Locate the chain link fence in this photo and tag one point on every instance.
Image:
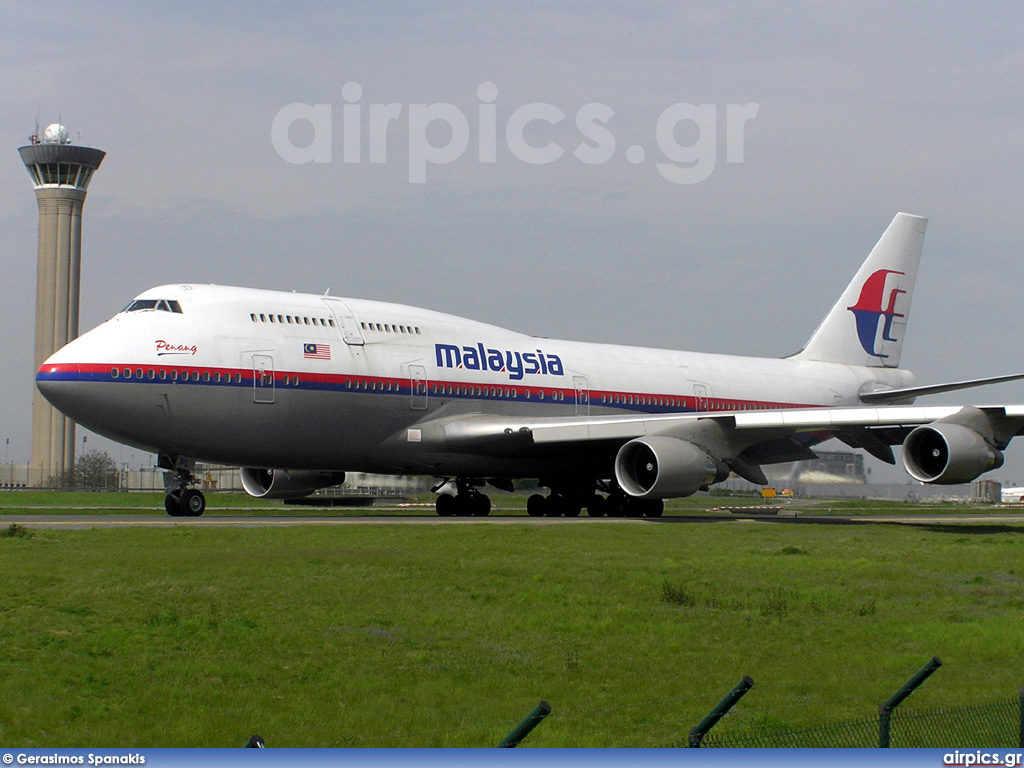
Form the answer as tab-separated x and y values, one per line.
997	724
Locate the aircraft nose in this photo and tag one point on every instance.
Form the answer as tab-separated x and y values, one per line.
58	382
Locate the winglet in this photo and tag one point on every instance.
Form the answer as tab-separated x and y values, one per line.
866	326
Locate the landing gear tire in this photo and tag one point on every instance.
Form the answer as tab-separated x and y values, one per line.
597	506
481	505
615	505
172	504
654	508
192	503
466	502
181	500
463	507
633	508
445	505
535	505
554	505
627	506
186	503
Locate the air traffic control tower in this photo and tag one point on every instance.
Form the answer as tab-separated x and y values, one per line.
61	174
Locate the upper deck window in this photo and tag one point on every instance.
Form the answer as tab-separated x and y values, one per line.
160	305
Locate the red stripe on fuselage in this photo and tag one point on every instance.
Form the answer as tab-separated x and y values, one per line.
202	375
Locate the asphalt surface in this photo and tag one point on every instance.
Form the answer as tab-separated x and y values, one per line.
991	522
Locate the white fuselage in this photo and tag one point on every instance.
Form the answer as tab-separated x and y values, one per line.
271	379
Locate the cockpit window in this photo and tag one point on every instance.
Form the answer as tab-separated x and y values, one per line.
160	305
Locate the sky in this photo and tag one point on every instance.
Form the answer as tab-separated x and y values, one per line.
698	175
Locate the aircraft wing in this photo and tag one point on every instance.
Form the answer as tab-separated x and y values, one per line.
475	429
747	439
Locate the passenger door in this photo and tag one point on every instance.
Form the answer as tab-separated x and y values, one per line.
262	378
418	382
582	395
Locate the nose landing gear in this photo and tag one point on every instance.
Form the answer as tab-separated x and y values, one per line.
182	500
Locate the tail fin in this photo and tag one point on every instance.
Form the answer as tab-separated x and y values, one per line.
867	324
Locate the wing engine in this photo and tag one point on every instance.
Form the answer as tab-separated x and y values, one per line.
287	483
948	454
660	467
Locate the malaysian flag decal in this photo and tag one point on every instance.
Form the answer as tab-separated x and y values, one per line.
316	351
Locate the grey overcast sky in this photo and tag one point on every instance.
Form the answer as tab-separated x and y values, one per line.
862	109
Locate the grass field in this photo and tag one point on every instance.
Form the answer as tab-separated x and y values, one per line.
408	635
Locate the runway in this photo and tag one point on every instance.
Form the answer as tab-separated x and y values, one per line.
991	522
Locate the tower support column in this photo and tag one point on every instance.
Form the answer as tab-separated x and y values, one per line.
61	174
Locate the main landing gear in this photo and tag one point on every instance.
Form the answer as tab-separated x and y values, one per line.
467	502
182	500
564	503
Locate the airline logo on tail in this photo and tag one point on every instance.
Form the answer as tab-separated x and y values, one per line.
874	305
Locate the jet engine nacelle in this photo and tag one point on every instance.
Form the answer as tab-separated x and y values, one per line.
948	454
665	467
287	483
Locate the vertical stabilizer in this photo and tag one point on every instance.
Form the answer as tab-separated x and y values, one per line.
866	326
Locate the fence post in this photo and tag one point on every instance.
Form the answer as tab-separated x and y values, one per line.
699	731
886	708
528	723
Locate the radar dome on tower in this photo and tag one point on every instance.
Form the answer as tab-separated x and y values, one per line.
55	133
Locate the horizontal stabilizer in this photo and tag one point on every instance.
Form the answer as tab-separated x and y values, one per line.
909	393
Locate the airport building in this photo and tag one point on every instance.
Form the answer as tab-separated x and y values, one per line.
61	173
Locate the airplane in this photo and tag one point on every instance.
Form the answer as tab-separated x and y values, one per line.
1013	495
299	389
